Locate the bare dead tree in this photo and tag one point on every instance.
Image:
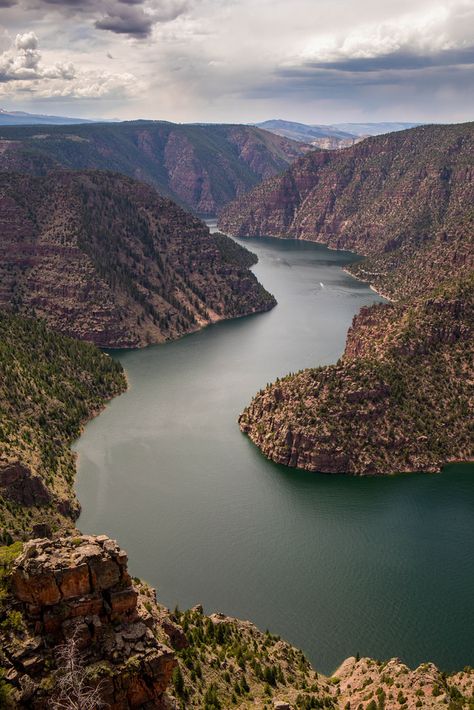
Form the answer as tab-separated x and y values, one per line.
74	688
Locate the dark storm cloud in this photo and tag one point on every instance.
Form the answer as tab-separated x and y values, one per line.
135	18
414	79
127	20
399	60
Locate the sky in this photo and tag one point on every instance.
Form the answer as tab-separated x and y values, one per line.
314	61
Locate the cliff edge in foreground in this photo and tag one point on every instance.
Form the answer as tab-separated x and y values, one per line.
75	628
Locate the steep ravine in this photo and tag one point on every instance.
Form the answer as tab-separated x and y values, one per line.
201	167
404	201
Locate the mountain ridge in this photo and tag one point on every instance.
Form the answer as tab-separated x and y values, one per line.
331	136
104	258
200	167
401	200
398	400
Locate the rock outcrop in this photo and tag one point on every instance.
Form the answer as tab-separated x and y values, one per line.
103	258
403	200
77	591
399	400
202	167
19	485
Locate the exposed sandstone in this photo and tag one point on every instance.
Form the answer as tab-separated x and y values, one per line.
20	485
80	588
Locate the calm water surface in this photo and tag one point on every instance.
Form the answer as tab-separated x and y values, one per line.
334	564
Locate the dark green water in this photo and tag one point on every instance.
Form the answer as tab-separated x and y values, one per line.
334	564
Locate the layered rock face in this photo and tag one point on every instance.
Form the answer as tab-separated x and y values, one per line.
200	167
78	590
398	401
403	200
103	258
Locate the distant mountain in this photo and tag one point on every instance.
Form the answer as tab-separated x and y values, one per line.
319	136
21	118
202	167
373	129
104	258
339	135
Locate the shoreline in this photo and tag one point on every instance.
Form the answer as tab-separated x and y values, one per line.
106	404
371	286
346	269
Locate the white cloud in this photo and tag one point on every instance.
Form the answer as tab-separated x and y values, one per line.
432	30
22	70
22	62
244	60
27	41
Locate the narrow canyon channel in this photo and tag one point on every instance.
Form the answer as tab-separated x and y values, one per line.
336	565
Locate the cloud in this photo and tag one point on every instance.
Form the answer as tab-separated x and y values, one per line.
390	63
241	60
437	37
22	70
91	85
128	20
26	41
134	18
22	62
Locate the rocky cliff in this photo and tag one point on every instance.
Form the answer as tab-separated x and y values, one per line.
404	200
77	631
202	167
49	386
399	400
73	625
104	258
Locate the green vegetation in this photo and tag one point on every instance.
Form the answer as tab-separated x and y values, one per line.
116	264
160	153
233	252
231	663
49	386
404	200
8	555
398	401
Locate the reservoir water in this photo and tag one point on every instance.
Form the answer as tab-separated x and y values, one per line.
336	565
